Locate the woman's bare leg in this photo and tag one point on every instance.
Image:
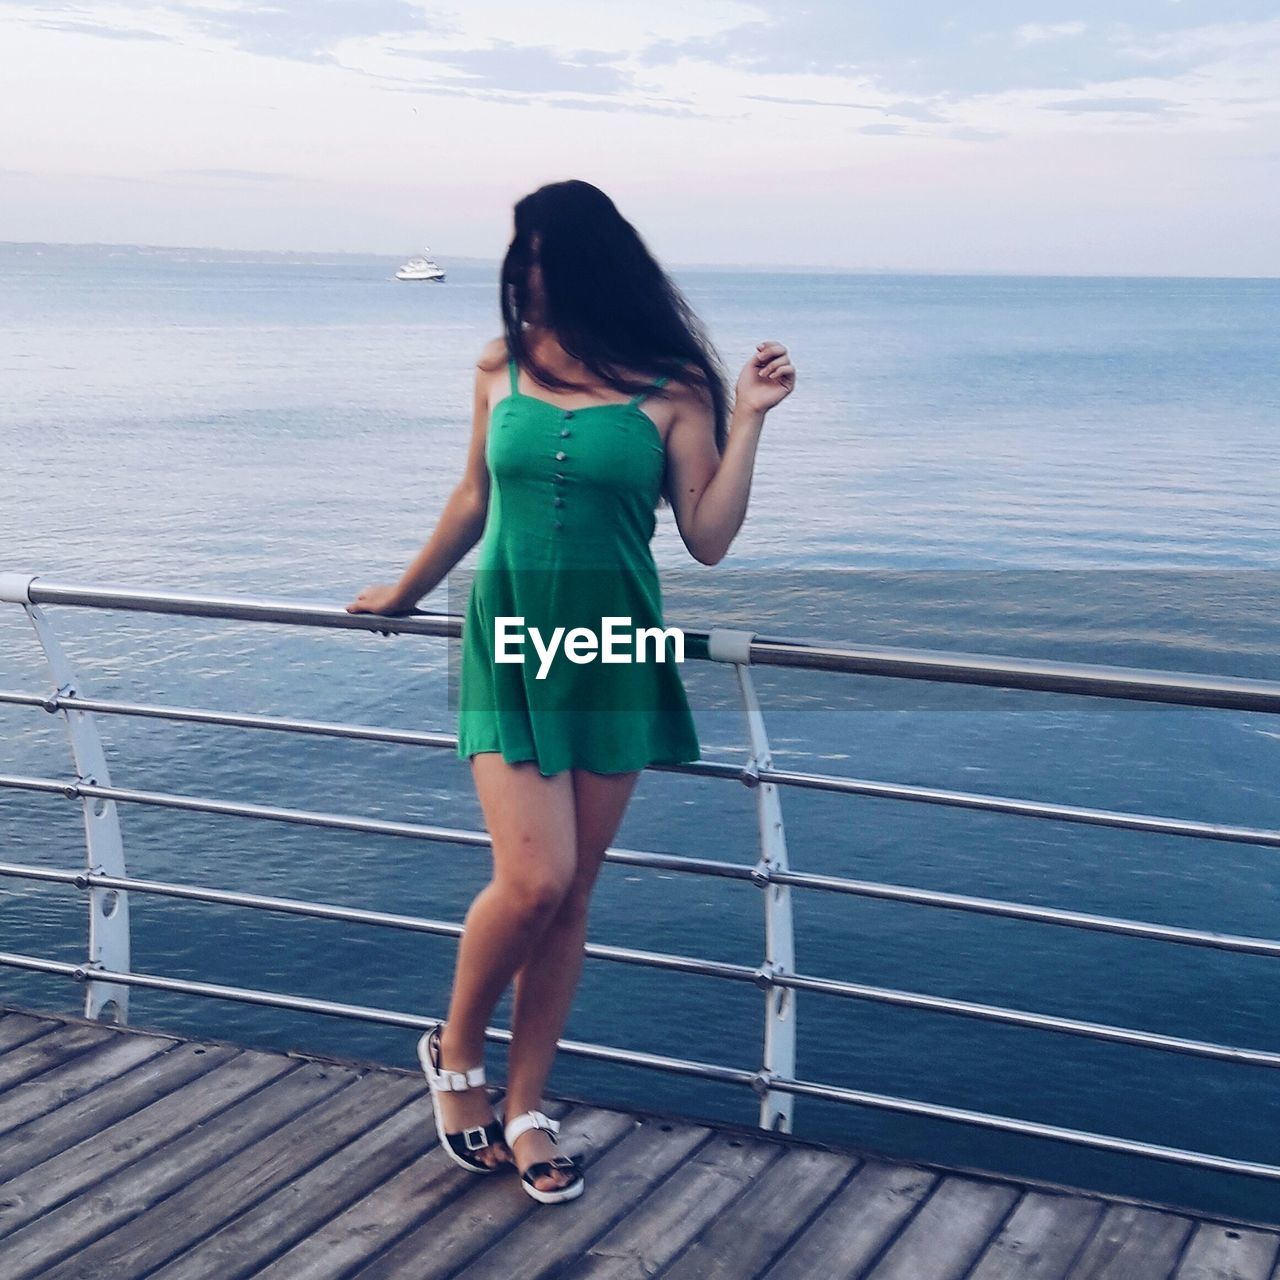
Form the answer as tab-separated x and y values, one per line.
546	982
531	821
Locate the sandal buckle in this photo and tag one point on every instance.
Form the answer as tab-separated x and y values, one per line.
481	1138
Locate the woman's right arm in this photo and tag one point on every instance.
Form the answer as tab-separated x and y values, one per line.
461	522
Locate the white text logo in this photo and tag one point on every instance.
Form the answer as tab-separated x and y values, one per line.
616	642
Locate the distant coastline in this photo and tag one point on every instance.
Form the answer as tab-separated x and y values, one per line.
205	253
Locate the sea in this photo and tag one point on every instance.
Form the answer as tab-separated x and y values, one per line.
1080	469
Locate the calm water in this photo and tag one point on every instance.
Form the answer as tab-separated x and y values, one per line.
1077	469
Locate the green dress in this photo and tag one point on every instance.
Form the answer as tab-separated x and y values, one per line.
566	544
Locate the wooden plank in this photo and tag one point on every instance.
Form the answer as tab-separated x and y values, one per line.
367	1227
743	1240
950	1229
1043	1234
192	1222
89	1071
619	1175
56	1180
47	1135
1229	1253
494	1210
675	1211
387	1213
442	1244
109	1147
126	1155
19	1028
136	1188
44	1052
1132	1243
856	1224
292	1214
471	1210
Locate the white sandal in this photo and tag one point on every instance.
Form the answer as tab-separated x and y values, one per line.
475	1138
540	1168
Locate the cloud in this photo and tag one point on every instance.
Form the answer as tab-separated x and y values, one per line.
1125	106
628	105
905	51
914	111
1212	42
514	69
813	102
1042	32
965	133
230	175
902	51
451	88
306	30
310	29
98	29
1133	62
883	130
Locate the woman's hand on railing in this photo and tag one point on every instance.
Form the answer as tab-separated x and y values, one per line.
380	598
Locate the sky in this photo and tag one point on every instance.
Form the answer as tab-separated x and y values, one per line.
1123	137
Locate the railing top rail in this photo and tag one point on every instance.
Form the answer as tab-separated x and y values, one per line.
1174	688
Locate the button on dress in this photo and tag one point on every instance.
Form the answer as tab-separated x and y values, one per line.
566	544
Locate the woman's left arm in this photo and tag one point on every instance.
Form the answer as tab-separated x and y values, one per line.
709	491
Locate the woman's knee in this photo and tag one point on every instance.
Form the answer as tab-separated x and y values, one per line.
577	897
538	894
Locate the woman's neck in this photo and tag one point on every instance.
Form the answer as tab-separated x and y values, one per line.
548	352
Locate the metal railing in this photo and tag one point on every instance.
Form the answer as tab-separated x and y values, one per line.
108	976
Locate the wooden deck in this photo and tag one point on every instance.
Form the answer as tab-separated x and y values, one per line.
126	1154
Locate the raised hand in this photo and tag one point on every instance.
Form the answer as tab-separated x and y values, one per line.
767	378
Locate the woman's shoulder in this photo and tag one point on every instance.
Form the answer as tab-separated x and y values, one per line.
493	355
690	372
689	385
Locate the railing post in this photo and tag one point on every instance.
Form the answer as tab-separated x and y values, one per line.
724	645
104	844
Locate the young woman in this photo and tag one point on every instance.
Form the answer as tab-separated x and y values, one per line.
602	396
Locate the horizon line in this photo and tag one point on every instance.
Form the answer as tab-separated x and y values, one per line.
776	268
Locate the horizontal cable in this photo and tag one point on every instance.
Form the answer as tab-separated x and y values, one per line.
287	724
1026	1128
1140	684
1177	688
699	866
343	822
1025	808
234	808
23	871
999	908
760	1082
354	915
813	781
1023	1018
362	1013
686	964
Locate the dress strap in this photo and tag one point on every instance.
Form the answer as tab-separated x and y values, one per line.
511	368
657	384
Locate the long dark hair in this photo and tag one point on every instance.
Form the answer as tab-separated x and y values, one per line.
608	302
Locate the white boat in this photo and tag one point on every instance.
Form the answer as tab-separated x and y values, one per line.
421	268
